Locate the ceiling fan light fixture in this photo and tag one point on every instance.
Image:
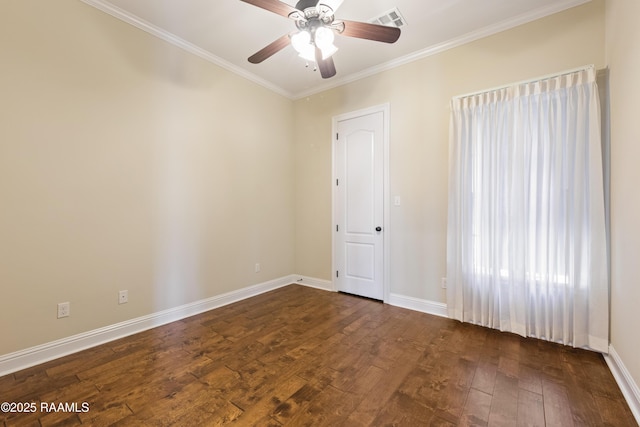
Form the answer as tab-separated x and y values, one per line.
328	51
324	38
301	40
308	53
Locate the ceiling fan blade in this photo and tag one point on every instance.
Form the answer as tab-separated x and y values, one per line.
362	30
274	6
326	66
270	49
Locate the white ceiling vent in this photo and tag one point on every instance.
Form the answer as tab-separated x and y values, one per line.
391	18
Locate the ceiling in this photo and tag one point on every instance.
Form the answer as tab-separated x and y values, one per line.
227	32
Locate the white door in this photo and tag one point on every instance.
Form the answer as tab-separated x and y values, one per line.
359	205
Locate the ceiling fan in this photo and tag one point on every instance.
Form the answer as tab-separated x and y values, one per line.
317	26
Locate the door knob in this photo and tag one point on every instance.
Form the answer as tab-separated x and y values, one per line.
378	228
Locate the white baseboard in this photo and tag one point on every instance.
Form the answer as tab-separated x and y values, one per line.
325	285
23	359
625	381
417	304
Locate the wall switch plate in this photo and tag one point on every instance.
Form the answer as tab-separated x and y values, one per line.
257	269
64	309
396	201
443	282
123	297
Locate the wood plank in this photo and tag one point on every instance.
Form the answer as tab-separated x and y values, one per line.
476	409
260	413
504	405
530	409
369	408
299	401
530	379
557	410
613	412
509	367
484	378
327	408
404	410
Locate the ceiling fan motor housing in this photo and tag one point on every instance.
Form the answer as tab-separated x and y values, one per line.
305	4
312	17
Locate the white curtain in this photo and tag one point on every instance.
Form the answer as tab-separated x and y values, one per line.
526	228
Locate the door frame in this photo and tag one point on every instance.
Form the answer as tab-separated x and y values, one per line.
386	235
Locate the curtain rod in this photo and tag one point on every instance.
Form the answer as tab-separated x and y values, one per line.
535	79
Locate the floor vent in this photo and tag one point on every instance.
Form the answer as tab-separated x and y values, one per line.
391	18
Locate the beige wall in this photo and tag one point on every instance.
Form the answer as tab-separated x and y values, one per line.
419	94
127	163
623	59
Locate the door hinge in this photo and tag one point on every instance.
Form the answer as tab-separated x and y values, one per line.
337	227
337	273
337	136
337	182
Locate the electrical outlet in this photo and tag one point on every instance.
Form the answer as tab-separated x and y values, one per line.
123	297
64	309
443	283
257	268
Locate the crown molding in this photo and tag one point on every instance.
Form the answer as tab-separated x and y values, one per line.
140	23
169	37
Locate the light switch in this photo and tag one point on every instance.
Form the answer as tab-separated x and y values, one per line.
396	201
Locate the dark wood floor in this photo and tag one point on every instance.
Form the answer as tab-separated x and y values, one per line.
299	356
